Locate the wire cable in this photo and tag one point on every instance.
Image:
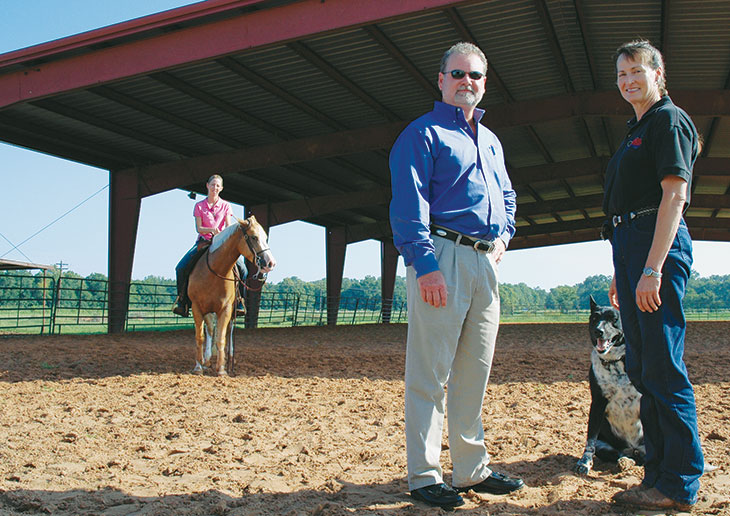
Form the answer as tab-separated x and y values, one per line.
15	247
52	223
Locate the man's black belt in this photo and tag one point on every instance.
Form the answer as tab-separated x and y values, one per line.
480	245
626	217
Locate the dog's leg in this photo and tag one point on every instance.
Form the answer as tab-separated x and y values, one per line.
595	420
585	463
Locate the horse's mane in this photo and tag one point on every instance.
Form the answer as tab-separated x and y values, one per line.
221	237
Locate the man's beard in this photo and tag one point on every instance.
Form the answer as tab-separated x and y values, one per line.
467	97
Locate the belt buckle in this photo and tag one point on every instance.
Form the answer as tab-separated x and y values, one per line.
489	245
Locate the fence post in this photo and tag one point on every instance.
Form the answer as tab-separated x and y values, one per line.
354	312
296	311
56	302
78	305
17	311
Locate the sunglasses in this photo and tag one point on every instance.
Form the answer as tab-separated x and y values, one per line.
459	74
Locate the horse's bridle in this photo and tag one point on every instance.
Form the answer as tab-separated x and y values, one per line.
258	261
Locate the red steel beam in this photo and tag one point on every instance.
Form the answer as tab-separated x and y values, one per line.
169	49
288	211
165	176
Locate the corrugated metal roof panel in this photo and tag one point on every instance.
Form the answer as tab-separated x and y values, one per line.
292	90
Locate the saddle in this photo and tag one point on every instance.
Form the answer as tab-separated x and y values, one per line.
202	246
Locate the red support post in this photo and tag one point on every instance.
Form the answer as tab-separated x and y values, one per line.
124	205
388	267
253	293
336	242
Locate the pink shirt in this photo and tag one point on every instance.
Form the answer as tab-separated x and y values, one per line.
214	216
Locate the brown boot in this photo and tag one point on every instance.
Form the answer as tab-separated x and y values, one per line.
180	309
651	499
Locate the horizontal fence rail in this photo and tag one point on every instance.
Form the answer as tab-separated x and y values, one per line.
80	305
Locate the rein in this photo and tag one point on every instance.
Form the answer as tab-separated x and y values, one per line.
207	262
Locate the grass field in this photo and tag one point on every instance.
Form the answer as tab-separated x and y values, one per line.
73	321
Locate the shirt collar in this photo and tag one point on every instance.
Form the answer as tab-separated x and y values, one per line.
659	103
455	113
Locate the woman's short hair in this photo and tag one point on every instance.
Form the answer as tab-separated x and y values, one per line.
642	51
215	176
465	49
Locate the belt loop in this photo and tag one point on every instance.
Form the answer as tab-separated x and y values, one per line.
458	238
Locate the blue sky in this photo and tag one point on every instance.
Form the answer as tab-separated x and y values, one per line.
41	189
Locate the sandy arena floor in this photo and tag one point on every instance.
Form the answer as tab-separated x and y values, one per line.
312	424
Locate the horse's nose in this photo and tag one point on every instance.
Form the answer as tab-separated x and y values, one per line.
267	262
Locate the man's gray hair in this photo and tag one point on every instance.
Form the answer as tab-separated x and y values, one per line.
465	49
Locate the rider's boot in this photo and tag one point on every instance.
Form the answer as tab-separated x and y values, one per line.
180	308
240	303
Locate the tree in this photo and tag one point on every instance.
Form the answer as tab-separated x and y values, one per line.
596	286
562	298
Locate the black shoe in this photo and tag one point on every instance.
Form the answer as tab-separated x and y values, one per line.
496	483
240	310
181	310
438	495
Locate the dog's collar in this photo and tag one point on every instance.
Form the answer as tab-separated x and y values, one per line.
605	361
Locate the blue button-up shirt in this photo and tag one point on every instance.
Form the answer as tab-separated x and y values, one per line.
442	173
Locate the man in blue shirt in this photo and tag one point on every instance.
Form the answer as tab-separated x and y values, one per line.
452	215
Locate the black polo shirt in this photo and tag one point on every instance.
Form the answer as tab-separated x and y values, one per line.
664	142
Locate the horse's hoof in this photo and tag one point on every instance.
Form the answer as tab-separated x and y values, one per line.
197	370
222	373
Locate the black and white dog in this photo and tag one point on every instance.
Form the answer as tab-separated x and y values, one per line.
615	433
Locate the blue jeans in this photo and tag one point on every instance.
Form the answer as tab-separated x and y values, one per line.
654	359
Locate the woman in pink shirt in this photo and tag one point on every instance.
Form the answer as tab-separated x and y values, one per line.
212	215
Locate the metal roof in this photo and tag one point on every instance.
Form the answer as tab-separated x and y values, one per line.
296	103
7	265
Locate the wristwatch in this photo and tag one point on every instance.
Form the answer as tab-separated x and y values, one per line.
648	271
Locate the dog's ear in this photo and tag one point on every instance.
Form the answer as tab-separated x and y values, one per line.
594	305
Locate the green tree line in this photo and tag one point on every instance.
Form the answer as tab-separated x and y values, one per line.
712	292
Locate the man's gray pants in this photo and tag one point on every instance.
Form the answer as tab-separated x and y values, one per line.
450	346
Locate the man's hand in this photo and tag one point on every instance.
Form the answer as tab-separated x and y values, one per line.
433	289
499	250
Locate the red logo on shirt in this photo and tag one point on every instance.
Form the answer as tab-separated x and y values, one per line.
635	143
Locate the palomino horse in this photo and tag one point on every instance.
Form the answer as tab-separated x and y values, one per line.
212	285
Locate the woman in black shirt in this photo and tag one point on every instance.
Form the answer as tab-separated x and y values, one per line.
646	194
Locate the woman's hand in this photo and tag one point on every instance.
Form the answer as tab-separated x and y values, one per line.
647	293
613	294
